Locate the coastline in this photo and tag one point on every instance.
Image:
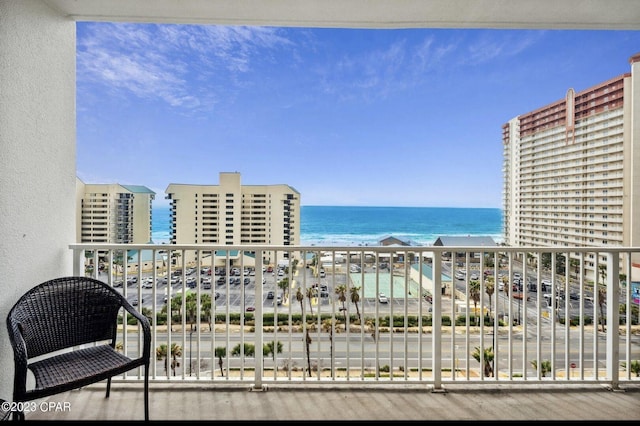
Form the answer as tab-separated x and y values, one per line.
362	226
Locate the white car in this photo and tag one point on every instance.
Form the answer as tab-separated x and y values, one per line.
382	298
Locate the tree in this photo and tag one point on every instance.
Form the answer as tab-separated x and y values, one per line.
575	265
545	367
191	309
474	293
506	286
308	350
311	293
355	298
249	350
341	291
602	294
161	354
221	352
271	348
327	325
283	285
488	359
205	308
300	298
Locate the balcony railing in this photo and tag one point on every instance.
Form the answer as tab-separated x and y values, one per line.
328	315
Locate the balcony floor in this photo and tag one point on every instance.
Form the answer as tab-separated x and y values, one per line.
187	401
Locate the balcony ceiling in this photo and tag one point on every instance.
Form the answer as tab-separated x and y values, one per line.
501	14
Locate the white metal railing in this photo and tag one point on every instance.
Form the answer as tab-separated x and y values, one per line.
494	328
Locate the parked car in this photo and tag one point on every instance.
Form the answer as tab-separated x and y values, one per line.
382	298
270	295
251	308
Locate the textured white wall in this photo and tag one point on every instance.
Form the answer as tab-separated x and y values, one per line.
37	155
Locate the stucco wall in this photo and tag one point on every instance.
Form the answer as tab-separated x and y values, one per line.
37	155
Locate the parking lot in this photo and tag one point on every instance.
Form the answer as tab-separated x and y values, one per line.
237	289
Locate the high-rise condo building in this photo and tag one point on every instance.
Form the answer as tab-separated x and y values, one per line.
113	213
572	169
232	214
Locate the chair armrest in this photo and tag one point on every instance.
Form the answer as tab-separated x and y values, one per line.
144	323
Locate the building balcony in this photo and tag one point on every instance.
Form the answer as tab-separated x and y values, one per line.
359	342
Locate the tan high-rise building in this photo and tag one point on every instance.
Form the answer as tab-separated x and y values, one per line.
232	214
572	169
113	213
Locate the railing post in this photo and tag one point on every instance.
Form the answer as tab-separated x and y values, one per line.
258	321
78	255
436	321
613	319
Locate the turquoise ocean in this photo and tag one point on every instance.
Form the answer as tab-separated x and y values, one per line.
366	226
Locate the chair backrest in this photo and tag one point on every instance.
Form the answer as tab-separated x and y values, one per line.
65	312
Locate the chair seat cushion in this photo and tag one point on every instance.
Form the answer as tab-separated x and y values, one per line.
77	368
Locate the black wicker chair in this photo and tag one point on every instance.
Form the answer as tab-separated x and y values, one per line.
67	313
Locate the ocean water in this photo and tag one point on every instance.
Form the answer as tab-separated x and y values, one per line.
359	226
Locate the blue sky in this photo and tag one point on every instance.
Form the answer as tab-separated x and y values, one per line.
346	117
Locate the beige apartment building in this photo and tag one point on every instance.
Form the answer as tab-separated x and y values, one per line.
233	214
113	213
572	169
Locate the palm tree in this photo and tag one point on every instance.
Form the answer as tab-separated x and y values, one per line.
221	352
545	367
355	298
249	350
602	294
271	348
575	265
161	354
311	293
341	291
474	293
205	308
191	309
308	348
327	325
283	284
300	298
506	286
489	288
488	359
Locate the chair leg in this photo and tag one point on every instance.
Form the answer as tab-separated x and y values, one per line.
108	387
146	393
